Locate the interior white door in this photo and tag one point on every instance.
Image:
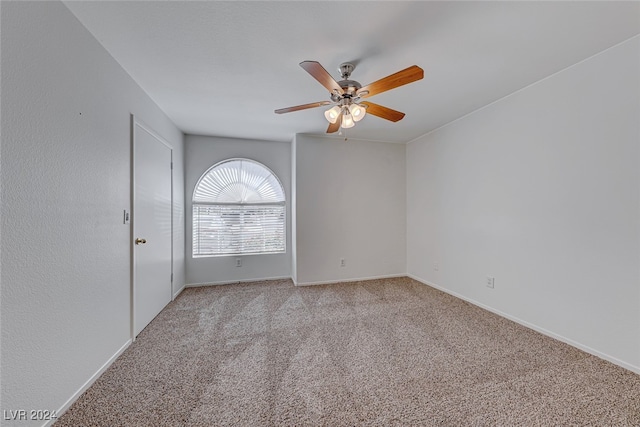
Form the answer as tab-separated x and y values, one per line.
152	226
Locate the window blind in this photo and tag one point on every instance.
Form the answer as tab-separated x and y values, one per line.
238	229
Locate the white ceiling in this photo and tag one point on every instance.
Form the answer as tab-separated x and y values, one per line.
222	68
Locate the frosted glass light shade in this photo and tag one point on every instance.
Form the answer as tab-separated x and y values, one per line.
347	121
332	114
357	112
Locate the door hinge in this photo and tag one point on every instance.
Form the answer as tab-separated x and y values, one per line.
171	277
171	165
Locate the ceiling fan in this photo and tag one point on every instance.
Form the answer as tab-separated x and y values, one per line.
346	95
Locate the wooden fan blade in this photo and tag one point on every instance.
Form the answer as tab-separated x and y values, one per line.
302	107
401	78
333	127
382	112
318	72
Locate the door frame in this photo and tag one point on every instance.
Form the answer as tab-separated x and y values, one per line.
132	294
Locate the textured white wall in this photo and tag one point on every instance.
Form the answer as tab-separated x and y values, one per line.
202	152
65	174
541	190
350	203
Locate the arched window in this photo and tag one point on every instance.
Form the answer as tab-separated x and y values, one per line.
238	208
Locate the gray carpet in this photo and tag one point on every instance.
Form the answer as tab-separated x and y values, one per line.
375	353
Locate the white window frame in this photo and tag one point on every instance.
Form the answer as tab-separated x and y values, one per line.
199	205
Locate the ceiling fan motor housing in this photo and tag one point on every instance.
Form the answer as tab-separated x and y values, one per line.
350	87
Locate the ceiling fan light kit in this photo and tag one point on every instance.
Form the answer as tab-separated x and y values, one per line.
346	95
332	114
347	120
357	112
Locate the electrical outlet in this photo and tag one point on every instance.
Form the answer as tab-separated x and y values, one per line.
343	263
238	262
436	266
490	281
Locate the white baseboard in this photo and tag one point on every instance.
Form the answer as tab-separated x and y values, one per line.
231	282
536	328
178	292
357	279
88	384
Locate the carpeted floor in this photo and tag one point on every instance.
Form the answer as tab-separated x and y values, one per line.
375	353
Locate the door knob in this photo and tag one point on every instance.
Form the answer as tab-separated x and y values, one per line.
140	241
